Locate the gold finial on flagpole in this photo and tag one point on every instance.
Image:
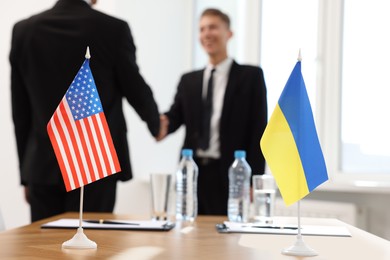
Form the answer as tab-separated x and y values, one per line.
87	54
299	55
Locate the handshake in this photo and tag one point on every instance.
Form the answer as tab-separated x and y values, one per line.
164	123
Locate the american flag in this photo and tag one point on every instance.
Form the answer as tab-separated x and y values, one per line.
80	135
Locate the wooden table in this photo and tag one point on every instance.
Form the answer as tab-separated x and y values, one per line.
197	241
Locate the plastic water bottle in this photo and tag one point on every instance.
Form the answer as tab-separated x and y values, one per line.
239	185
186	188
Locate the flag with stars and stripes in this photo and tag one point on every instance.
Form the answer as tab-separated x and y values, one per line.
80	136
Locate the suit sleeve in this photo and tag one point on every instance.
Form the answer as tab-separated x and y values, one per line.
20	104
132	84
259	119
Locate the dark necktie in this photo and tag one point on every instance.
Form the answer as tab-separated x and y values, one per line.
207	110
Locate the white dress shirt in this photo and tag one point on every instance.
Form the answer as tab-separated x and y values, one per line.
220	80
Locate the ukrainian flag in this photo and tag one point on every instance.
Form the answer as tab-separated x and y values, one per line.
290	143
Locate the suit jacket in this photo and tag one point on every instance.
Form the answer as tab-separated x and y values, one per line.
47	51
243	118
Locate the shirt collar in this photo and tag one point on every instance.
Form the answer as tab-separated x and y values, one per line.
222	67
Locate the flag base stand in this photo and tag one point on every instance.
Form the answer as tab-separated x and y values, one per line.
79	241
299	249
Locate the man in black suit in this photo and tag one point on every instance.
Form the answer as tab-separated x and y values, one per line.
47	51
237	118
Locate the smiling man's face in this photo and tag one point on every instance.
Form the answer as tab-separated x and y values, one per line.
213	35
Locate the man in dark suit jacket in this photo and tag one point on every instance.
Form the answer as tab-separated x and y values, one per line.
238	117
47	51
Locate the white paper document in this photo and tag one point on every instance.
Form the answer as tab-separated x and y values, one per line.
111	224
311	230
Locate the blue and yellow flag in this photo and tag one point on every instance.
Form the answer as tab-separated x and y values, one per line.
290	143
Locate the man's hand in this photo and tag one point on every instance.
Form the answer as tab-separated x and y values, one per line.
26	194
164	123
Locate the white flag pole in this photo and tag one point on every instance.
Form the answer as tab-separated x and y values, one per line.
80	240
87	53
299	248
81	207
299	218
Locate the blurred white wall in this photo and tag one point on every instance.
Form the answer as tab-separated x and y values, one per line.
163	37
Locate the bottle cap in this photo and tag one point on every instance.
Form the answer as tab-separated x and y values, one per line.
186	152
239	154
